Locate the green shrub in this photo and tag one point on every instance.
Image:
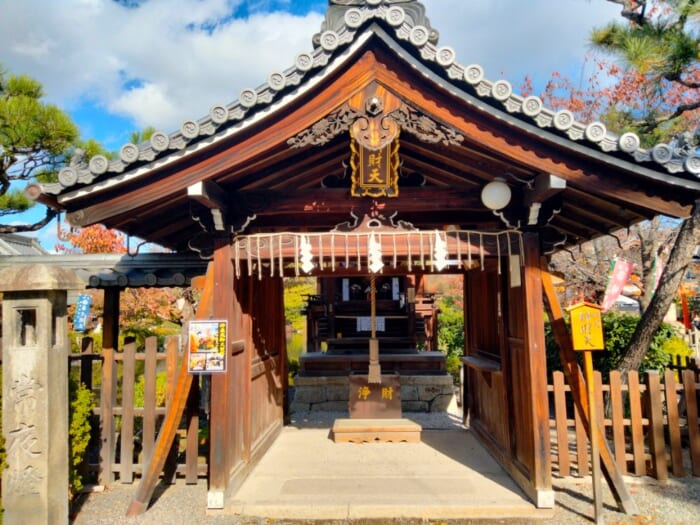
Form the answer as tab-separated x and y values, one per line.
617	332
677	347
76	341
453	367
451	335
292	369
296	291
450	328
161	386
82	403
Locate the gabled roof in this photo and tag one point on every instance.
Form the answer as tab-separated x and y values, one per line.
13	244
278	153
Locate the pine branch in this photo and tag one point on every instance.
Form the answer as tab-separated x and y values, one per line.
633	10
682	82
648	125
16	228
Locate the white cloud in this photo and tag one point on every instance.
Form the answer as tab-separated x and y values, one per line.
149	99
512	38
155	66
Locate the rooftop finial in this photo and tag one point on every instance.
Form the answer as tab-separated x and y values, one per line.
411	11
368	2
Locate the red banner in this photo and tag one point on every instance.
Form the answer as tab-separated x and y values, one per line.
618	279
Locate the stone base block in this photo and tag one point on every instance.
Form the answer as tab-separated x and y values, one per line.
421	393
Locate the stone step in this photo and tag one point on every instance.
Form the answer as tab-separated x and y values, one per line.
376	430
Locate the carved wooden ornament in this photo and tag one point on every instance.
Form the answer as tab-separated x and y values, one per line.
374	146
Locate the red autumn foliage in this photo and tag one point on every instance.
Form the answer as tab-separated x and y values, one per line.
142	310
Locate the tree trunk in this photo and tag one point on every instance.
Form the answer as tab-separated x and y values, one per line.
648	250
681	255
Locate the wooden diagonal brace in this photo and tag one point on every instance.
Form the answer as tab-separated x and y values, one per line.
576	381
167	433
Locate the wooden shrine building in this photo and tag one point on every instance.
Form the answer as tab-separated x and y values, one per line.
380	152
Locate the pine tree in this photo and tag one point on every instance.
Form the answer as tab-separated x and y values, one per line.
36	140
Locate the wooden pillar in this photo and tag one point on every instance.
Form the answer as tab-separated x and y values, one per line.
464	393
110	343
244	377
220	453
541	477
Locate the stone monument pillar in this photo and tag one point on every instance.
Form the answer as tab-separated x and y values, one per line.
35	350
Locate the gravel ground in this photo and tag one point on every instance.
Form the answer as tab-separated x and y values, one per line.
675	502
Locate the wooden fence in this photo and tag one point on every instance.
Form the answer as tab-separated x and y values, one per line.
692	337
127	433
651	425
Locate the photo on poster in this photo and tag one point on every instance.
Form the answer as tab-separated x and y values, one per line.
207	346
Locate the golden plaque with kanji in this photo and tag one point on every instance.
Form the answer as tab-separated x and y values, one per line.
375	172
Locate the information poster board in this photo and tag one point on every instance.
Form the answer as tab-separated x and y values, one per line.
207	343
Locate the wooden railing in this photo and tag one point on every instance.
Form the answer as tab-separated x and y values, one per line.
127	433
651	425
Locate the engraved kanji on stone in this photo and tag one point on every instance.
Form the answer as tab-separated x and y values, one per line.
20	442
23	480
24	391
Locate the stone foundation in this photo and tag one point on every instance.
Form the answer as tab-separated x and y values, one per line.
331	393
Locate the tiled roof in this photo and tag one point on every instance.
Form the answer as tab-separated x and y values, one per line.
345	21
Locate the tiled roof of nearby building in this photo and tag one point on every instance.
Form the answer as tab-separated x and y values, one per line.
14	244
122	271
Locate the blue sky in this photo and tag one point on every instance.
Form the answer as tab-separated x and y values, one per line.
117	66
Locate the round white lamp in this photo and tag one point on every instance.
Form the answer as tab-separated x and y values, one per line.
496	194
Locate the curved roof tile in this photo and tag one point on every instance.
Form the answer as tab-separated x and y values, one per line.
344	18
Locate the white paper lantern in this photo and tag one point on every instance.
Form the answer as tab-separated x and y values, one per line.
496	194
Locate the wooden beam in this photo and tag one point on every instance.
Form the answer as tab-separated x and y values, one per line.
584	229
303	170
546	186
211	196
338	200
582	199
576	381
471	159
584	211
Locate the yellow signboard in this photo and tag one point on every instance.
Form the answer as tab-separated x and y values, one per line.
586	327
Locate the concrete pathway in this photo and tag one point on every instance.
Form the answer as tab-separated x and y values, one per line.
449	475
